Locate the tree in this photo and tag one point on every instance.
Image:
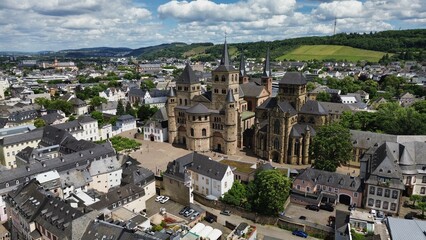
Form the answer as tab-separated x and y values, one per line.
420	106
147	85
130	110
120	108
145	112
331	147
71	118
97	101
422	206
415	198
98	116
268	192
38	123
324	97
237	195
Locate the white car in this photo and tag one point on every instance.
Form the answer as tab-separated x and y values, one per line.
164	200
159	198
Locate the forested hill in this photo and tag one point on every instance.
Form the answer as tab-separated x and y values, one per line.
387	41
409	42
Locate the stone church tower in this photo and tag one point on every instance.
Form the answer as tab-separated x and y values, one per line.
206	121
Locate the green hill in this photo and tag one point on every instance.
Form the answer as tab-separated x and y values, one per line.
322	52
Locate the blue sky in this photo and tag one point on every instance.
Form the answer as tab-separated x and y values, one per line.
63	24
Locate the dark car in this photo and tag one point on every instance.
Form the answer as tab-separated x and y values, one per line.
410	215
226	212
312	207
302	218
327	207
300	233
183	210
209	219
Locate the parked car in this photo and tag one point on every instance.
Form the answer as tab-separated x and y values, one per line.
181	212
195	215
164	200
302	218
159	198
189	213
410	215
300	233
327	207
226	212
209	219
312	207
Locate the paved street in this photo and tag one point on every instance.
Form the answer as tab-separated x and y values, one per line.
263	230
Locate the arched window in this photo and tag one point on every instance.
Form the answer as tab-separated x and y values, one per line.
216	78
204	132
223	78
312	120
302	119
276	144
192	132
277	126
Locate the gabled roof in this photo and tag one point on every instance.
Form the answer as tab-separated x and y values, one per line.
209	168
187	76
199	108
126	117
331	179
172	92
299	130
251	89
293	78
51	117
313	107
283	106
160	115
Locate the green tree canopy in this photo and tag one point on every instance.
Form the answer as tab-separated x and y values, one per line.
147	85
237	195
268	192
97	101
120	108
324	97
38	123
331	147
145	112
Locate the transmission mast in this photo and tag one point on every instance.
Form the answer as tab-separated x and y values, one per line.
335	23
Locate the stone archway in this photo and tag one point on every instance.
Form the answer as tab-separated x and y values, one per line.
218	142
275	156
182	135
345	199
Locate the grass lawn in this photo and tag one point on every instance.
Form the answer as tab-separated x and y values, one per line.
241	166
321	52
196	51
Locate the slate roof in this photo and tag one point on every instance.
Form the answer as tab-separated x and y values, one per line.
176	168
54	136
34	135
136	92
293	78
187	76
273	102
199	108
209	168
51	118
104	230
160	115
225	65
37	205
126	117
335	108
332	179
251	89
172	92
342	220
229	98
266	66
242	67
134	174
299	129
113	196
111	105
77	102
313	107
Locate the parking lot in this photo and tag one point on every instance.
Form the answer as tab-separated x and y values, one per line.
321	217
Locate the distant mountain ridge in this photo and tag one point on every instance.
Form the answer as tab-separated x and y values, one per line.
393	41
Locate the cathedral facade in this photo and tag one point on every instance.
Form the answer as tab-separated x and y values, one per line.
278	128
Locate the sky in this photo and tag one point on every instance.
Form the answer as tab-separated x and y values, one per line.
39	25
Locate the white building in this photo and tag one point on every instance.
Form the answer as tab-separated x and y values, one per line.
155	129
210	178
125	123
113	94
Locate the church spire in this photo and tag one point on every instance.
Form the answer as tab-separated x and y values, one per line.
242	66
266	67
230	96
225	56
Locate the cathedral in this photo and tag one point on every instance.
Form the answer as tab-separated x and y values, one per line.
239	111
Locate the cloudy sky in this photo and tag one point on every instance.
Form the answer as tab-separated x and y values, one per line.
35	25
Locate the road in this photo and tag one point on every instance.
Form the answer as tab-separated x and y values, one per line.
262	230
